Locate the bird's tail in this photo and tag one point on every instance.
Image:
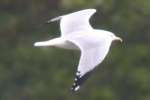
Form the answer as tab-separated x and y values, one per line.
44	43
52	42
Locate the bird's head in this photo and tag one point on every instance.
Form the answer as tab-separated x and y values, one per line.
115	38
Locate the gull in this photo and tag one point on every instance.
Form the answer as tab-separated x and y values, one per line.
78	34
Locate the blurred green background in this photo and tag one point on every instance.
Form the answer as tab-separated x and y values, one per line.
29	73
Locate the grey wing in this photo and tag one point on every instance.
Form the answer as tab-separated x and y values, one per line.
92	53
75	21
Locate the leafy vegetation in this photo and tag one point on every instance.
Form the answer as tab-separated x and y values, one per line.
28	73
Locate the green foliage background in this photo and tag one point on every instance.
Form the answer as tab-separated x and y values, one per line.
29	73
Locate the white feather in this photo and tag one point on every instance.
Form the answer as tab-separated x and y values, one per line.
77	33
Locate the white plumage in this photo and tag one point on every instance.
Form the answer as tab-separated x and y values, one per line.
77	33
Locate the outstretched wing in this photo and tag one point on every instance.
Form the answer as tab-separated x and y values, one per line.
75	21
93	51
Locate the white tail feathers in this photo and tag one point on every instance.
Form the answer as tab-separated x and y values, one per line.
46	43
52	42
41	44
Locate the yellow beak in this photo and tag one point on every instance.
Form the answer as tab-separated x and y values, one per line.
119	39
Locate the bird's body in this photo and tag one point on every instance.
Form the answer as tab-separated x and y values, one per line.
78	34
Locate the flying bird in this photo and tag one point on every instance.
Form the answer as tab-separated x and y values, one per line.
78	34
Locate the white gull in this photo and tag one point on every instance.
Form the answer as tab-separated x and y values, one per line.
78	34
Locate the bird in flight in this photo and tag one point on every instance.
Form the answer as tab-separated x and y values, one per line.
78	34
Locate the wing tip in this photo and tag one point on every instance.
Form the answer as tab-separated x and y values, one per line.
54	19
76	84
79	80
92	10
59	17
75	89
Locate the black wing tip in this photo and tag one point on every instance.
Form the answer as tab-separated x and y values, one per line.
76	84
79	80
75	89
